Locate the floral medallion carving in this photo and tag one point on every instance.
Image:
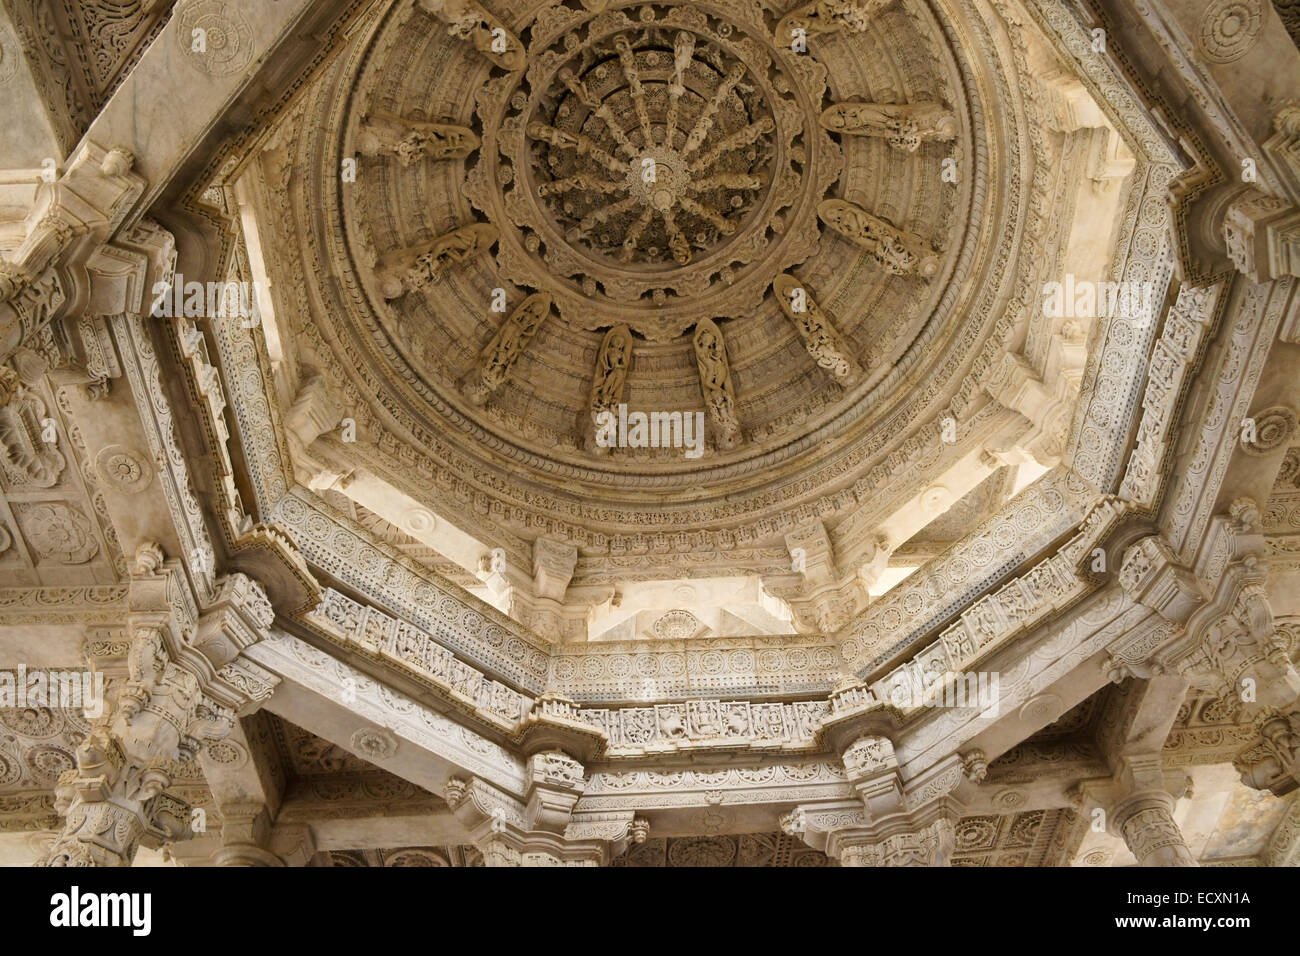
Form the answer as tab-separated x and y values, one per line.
47	762
59	532
33	721
660	162
216	38
124	468
1273	429
677	626
1229	28
702	851
374	744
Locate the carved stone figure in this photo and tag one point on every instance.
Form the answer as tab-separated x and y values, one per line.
499	357
426	266
613	363
903	126
829	16
901	253
412	140
820	338
29	459
488	35
715	383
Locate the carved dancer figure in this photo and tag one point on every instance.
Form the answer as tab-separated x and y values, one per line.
819	335
497	361
488	35
715	383
903	126
413	140
420	268
613	362
901	253
829	16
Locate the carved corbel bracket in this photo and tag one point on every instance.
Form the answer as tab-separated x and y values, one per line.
266	552
555	782
1151	575
856	712
553	724
502	826
844	832
1272	762
1262	234
237	619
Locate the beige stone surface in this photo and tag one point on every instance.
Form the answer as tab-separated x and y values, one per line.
710	434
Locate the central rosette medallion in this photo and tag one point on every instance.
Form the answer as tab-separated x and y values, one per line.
655	164
653	155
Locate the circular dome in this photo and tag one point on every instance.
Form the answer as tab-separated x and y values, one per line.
661	178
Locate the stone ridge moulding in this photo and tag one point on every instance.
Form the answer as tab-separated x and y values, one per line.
650	432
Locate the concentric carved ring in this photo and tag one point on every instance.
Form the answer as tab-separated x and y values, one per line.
659	163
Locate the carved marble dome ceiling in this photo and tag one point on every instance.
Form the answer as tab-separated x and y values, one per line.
363	588
530	181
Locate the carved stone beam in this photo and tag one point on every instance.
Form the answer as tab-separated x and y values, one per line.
715	384
1171	363
828	16
904	126
413	140
608	382
826	346
215	62
497	361
488	35
1146	714
418	268
1015	385
412	740
900	253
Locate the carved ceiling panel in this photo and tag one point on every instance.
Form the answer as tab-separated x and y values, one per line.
654	205
82	50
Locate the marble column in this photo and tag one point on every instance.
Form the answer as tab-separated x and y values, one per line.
1146	822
